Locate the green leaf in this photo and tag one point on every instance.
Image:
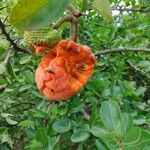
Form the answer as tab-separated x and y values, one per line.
25	59
2	68
37	94
142	144
76	107
52	141
128	121
3	130
2	50
139	120
11	70
39	113
41	136
6	115
29	15
61	126
102	132
34	145
26	123
4	44
79	136
6	139
100	145
110	115
103	6
11	122
24	88
132	136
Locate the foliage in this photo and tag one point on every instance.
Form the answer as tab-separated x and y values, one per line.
111	112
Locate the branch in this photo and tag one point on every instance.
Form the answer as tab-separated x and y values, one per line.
73	19
67	18
118	50
142	10
74	11
3	30
74	29
137	69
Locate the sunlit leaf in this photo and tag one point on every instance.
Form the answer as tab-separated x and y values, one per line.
103	6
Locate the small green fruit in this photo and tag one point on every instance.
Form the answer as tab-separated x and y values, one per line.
42	37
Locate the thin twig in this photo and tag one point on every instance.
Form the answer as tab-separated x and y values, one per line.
137	69
142	10
118	50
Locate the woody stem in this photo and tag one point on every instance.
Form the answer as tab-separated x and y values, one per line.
73	19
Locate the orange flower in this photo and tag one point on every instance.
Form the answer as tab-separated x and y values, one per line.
64	70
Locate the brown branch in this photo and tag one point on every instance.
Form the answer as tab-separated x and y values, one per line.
74	11
142	10
3	30
67	18
73	19
74	29
117	50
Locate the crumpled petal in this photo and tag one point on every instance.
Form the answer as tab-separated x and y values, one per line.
64	70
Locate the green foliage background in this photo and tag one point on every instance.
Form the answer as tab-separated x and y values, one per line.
111	112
